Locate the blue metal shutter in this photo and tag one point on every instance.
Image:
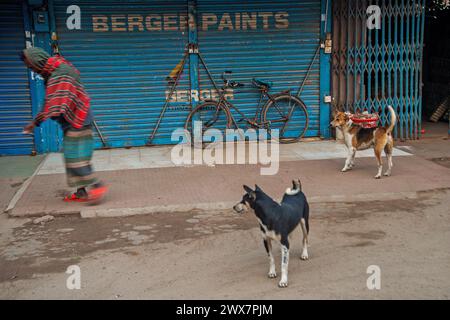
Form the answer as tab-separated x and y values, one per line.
124	67
273	40
15	101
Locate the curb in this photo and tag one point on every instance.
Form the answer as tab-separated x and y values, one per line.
126	212
94	212
216	206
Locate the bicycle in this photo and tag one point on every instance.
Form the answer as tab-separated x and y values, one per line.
281	111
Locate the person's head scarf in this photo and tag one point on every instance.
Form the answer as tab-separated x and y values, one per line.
35	58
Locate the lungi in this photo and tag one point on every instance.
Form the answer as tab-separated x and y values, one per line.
78	148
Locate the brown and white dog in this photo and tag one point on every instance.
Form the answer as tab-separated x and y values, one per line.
359	138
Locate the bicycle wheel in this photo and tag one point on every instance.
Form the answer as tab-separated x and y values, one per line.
288	114
208	115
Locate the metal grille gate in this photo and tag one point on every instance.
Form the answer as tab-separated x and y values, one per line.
15	110
376	67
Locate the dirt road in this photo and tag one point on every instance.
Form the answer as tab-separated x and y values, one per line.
221	255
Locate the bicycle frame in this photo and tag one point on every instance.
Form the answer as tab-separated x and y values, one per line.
257	123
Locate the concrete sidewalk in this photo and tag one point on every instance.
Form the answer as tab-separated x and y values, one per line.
160	157
13	173
174	189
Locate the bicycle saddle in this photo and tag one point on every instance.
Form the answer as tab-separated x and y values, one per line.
261	83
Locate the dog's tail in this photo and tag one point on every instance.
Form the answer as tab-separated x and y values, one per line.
296	184
296	188
393	119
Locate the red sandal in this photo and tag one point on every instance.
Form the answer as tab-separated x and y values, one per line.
74	198
97	194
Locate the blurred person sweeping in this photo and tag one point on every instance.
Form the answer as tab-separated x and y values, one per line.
67	102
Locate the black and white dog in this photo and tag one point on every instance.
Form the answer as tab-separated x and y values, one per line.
278	222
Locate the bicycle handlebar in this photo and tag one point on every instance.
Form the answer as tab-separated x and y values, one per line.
230	83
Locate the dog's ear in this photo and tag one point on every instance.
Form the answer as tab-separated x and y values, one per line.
257	188
250	192
248	189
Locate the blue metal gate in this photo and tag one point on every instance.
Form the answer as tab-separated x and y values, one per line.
374	67
125	53
273	40
15	104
